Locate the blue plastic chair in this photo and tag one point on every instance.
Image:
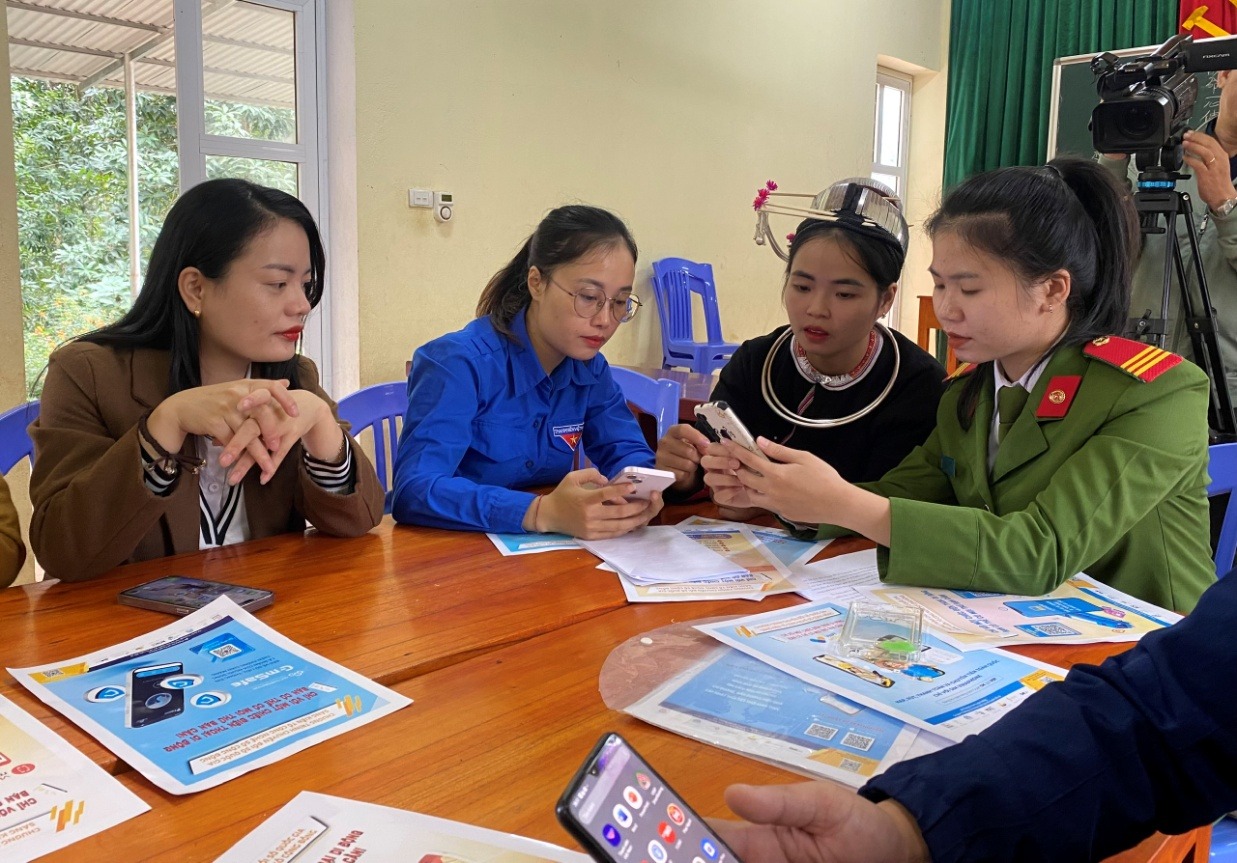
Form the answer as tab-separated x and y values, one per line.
674	282
380	408
1224	841
1222	466
15	443
658	398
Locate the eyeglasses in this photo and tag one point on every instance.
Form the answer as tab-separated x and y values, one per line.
590	301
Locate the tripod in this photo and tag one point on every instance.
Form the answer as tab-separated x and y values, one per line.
1157	196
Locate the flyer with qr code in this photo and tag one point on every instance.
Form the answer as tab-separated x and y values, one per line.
949	693
208	698
50	794
1080	611
313	827
731	700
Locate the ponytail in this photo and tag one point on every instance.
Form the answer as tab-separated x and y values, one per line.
1069	215
565	235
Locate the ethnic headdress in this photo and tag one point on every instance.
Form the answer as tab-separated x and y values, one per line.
859	204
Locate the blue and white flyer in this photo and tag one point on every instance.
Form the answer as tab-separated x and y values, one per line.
950	693
208	698
51	795
731	700
1080	611
313	827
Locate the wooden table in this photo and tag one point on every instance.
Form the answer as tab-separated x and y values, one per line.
500	654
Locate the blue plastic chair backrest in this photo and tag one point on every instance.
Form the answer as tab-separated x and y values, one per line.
660	398
1222	467
674	282
15	443
380	408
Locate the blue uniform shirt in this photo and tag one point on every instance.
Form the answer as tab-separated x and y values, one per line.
484	418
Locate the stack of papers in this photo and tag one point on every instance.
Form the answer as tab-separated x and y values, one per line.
757	562
661	555
781	691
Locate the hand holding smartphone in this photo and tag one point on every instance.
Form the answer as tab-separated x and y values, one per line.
621	811
724	424
646	480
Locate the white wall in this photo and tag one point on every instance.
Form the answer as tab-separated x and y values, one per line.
670	112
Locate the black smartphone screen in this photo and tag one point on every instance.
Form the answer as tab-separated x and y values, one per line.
149	700
622	811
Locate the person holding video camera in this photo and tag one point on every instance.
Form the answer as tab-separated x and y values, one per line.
1080	771
1210	155
1059	448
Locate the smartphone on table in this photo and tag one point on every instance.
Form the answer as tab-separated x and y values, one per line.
724	424
646	480
621	811
181	595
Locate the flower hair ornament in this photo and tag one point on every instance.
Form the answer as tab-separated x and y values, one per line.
858	203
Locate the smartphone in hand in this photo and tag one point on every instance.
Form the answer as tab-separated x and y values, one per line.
621	811
646	480
724	424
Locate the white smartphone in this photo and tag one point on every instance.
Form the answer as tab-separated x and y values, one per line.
725	425
646	480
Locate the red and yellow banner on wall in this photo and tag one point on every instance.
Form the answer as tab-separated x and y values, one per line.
1204	19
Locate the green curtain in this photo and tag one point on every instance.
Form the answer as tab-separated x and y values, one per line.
1000	69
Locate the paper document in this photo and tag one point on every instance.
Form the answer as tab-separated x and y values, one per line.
208	698
1080	611
739	703
661	555
840	579
950	693
510	544
314	827
51	795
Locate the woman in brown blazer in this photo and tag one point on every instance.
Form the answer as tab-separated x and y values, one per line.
12	551
192	422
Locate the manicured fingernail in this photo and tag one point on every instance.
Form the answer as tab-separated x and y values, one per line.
226	459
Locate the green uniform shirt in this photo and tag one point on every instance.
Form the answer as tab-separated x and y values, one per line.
1116	488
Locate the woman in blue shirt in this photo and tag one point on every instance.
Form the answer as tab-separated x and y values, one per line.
511	400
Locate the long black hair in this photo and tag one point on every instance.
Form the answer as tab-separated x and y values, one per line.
1069	215
881	258
566	234
209	227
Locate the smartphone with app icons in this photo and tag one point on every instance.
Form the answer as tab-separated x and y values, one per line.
621	811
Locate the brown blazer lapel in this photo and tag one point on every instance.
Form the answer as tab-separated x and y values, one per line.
148	387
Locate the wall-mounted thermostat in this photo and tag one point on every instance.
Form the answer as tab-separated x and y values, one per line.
444	206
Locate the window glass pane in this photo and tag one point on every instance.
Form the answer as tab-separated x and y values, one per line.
249	71
890	180
890	143
264	172
72	203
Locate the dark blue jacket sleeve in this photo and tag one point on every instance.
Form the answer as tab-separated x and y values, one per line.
1094	764
437	430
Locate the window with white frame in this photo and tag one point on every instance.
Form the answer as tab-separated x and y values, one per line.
893	130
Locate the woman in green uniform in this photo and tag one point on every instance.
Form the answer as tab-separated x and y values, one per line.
1059	447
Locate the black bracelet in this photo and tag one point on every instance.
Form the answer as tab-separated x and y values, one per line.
168	462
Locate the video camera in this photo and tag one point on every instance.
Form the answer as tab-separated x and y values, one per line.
1146	102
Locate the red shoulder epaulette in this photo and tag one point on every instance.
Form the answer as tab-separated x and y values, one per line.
1137	359
962	370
